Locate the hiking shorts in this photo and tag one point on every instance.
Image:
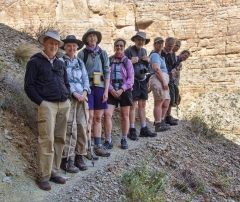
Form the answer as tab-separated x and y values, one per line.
140	90
95	99
124	100
157	89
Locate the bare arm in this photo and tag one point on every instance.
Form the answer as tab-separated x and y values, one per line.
156	69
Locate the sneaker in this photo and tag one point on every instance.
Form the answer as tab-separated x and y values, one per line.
58	180
170	121
124	144
68	166
91	155
101	151
145	132
79	162
162	126
108	145
44	185
132	134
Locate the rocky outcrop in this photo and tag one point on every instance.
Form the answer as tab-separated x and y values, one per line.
209	29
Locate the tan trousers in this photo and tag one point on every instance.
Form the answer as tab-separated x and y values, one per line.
77	127
52	127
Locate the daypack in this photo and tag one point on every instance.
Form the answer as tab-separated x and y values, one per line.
124	62
141	68
86	53
79	63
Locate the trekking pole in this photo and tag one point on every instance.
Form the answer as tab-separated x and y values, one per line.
85	113
71	134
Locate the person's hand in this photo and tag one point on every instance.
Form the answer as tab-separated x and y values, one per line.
119	93
165	86
134	60
174	71
146	58
105	96
114	93
179	67
76	95
82	97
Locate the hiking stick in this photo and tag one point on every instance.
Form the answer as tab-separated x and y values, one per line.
71	134
85	113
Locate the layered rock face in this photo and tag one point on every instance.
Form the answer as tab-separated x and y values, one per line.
210	29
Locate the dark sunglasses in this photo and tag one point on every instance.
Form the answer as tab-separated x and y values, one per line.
119	45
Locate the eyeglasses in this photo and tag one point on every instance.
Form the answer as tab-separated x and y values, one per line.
119	45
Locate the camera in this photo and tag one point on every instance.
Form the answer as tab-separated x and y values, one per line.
144	71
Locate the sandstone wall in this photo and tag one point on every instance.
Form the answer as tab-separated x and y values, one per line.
209	29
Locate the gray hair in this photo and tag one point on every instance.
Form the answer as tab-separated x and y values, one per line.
169	40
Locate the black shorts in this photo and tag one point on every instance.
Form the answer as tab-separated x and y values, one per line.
125	99
140	91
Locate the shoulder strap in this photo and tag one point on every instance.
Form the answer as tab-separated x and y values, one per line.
85	55
124	62
101	57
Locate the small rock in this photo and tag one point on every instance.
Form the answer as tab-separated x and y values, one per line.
7	180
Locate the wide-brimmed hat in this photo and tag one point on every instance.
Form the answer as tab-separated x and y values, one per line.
72	39
142	35
157	39
91	31
52	34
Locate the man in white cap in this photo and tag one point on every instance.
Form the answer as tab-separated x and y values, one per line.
138	56
47	85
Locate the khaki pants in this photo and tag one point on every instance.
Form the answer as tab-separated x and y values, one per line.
52	127
77	126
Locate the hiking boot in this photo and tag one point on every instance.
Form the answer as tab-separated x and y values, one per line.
58	180
169	120
124	144
68	166
44	185
145	132
108	145
90	155
162	126
174	119
101	151
132	135
79	162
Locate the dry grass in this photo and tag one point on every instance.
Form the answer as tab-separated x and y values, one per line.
23	53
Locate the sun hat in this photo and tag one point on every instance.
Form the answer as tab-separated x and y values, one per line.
52	34
73	39
157	39
92	31
142	35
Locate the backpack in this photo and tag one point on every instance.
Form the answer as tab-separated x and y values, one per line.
86	52
65	62
124	62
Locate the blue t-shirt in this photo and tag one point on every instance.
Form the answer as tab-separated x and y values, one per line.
156	58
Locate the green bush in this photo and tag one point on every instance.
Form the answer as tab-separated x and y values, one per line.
144	184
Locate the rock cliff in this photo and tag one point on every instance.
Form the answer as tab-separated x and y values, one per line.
209	29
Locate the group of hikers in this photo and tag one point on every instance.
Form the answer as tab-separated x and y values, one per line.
75	91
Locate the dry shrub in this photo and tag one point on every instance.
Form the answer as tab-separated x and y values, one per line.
23	53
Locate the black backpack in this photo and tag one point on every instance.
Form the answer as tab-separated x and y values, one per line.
124	62
85	56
